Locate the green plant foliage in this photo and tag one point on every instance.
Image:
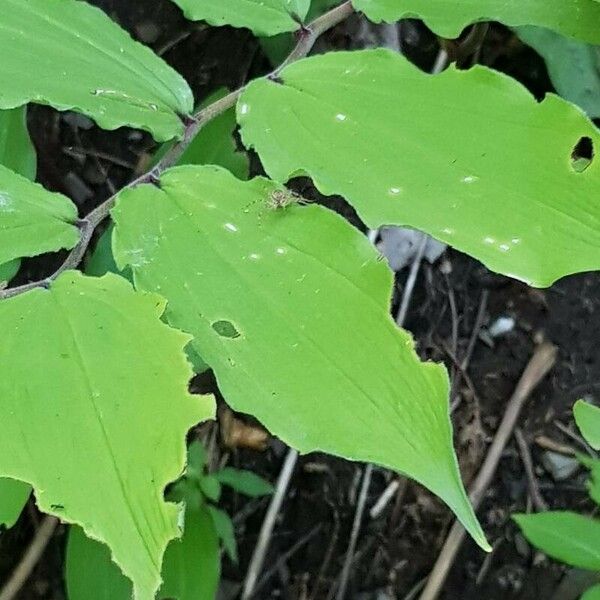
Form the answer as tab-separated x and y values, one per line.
13	497
565	536
95	387
16	150
214	144
33	220
594	482
191	565
574	67
592	594
70	55
291	356
8	270
587	417
263	17
90	574
244	482
224	528
575	18
467	156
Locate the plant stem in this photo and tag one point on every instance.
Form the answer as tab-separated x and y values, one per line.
307	36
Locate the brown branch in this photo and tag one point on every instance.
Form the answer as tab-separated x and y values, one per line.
307	36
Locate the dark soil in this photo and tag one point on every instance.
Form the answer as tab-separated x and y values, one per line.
397	550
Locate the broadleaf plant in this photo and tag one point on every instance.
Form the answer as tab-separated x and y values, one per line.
286	302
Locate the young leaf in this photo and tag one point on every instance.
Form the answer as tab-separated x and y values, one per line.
592	593
13	497
565	536
593	483
224	528
244	482
191	566
33	220
467	156
573	67
281	348
211	487
70	55
16	150
94	387
575	18
263	17
587	417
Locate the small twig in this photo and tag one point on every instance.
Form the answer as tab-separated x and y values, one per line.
549	444
384	499
538	367
308	35
534	490
30	559
411	280
264	537
575	437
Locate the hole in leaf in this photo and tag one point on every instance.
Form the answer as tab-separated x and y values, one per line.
226	329
583	154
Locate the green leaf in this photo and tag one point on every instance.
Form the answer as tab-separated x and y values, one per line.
33	220
263	17
94	387
575	18
90	574
70	55
13	498
210	487
191	566
214	144
270	318
592	593
593	483
8	270
565	536
224	528
574	67
244	482
467	156
16	150
587	417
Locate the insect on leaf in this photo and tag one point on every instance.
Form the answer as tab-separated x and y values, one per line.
70	55
281	348
495	180
94	387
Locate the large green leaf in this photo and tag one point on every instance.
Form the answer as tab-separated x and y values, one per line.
282	303
191	566
94	413
467	156
33	220
575	18
574	67
13	497
16	150
587	417
70	55
565	536
264	17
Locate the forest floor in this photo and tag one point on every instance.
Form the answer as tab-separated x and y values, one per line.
456	300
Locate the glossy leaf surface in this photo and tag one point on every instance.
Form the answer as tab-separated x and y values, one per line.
263	17
587	417
16	150
95	411
70	55
565	536
295	294
494	180
573	66
13	497
33	220
575	18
